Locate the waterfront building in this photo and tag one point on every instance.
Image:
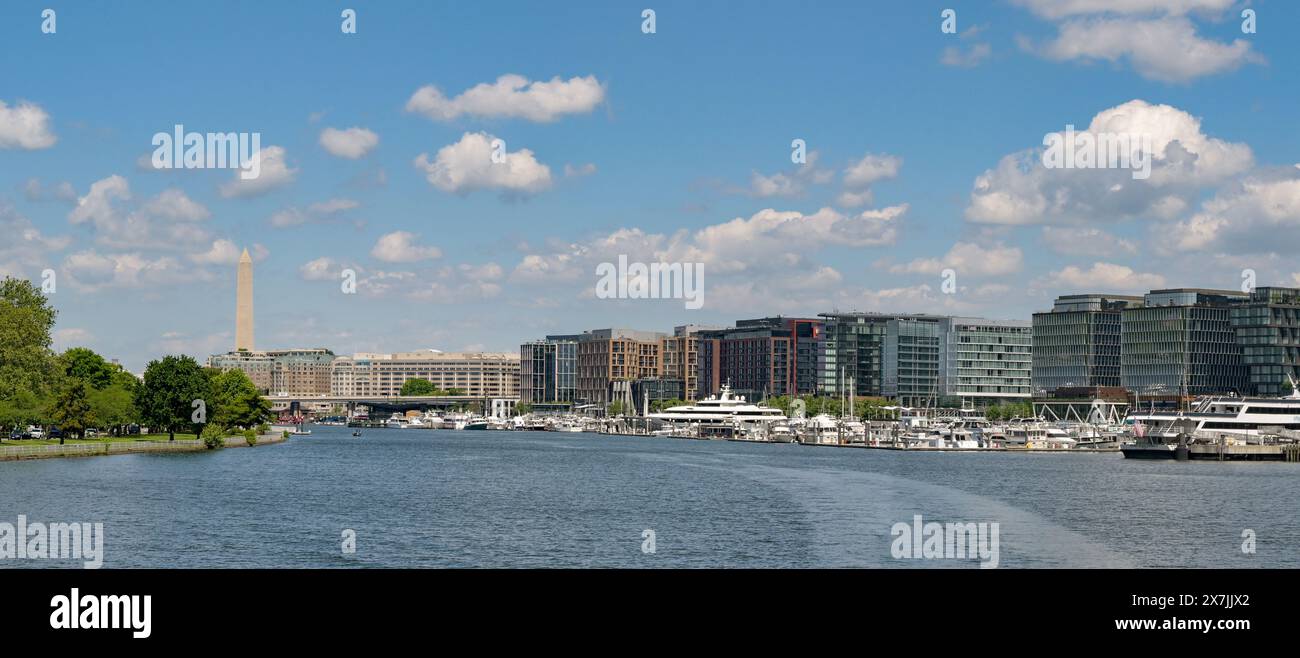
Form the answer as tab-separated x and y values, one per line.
1183	341
303	371
681	358
761	358
650	389
1267	326
911	360
852	354
610	359
548	371
1077	344
477	374
986	361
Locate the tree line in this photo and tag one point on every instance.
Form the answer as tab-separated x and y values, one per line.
78	389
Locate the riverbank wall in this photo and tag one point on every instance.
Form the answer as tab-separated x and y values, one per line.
19	451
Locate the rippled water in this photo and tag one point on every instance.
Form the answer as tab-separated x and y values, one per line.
523	499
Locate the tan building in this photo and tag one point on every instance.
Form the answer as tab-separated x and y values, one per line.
610	359
680	358
479	374
302	372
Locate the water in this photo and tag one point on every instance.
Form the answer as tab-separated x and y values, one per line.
417	498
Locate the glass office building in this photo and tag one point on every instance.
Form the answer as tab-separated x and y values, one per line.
1183	341
1078	343
1268	330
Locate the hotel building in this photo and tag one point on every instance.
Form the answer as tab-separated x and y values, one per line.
301	372
609	360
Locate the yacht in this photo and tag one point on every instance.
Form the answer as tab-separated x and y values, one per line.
1161	434
720	415
396	421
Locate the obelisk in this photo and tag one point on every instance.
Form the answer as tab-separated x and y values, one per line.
244	304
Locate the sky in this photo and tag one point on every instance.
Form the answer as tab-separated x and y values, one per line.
922	186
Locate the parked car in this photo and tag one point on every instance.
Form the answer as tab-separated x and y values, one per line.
56	433
92	432
16	434
36	432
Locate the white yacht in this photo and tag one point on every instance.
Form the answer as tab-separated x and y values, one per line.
720	415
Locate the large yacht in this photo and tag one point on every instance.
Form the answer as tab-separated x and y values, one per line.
1212	417
721	414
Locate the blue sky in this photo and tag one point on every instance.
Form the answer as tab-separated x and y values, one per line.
672	146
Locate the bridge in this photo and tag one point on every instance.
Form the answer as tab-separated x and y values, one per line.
391	403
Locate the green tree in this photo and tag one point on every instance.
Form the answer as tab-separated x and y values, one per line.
235	400
616	408
26	320
113	407
250	437
213	436
171	386
71	410
455	391
84	364
523	408
418	386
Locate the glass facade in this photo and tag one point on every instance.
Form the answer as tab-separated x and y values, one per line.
548	371
986	360
853	350
1170	347
1078	343
912	348
1268	331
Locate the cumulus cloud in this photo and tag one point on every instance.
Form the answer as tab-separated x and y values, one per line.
1021	190
34	190
512	96
25	126
793	184
968	259
275	172
24	246
351	143
1055	9
226	252
1260	215
860	175
401	247
91	271
571	171
1106	277
170	219
321	269
467	166
1164	49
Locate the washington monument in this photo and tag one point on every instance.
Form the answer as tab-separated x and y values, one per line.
244	304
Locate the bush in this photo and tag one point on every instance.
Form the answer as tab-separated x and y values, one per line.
213	436
285	434
250	437
263	429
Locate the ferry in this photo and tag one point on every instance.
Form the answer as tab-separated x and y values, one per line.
1168	434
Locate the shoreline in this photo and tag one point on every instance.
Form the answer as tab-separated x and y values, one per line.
21	452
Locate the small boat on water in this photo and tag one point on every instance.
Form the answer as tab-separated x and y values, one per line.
299	431
356	433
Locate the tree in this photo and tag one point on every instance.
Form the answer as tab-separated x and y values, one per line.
523	408
71	410
616	408
235	400
26	320
418	386
454	391
171	386
213	436
84	364
113	407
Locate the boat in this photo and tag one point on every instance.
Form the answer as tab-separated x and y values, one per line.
299	431
720	415
356	433
477	423
396	421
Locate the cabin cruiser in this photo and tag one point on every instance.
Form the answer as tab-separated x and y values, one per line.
1213	417
720	415
396	421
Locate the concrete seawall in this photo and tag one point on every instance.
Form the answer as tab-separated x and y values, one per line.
16	452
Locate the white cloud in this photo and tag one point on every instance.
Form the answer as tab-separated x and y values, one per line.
971	57
25	126
105	208
174	205
467	166
1261	215
1020	190
295	216
1104	277
968	259
91	271
33	190
1086	242
225	252
321	269
512	96
1164	49
71	337
871	168
400	247
274	172
24	246
571	171
351	143
791	184
1054	9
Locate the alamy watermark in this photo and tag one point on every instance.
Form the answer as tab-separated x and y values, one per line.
53	541
182	150
945	541
1102	150
626	280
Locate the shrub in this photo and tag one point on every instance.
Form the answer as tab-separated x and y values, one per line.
213	436
250	437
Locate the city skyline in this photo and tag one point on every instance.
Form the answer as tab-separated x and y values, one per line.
369	165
